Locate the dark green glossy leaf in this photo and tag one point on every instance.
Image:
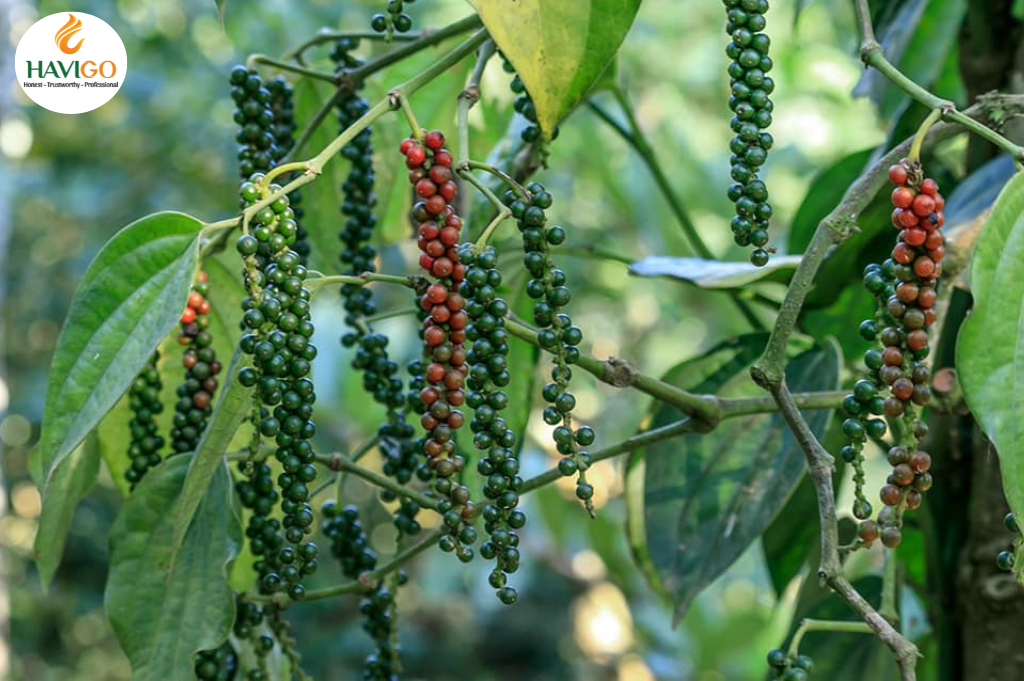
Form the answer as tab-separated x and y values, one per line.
989	354
706	497
707	373
825	193
164	609
560	48
63	490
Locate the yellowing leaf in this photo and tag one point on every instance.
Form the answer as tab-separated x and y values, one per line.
560	48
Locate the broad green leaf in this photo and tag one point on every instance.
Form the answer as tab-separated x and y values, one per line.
825	193
232	408
715	273
706	497
841	657
990	347
63	490
559	48
163	610
707	373
128	300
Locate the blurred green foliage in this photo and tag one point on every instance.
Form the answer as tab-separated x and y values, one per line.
166	142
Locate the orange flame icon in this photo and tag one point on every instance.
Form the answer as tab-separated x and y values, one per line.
66	33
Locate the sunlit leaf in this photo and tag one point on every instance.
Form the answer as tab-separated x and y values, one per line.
559	48
989	353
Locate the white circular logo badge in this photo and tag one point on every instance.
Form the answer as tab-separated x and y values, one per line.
71	62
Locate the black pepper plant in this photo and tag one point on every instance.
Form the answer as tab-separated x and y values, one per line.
235	498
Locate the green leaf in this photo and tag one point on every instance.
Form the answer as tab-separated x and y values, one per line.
989	351
61	494
706	497
128	300
165	610
716	274
559	48
825	193
707	373
231	410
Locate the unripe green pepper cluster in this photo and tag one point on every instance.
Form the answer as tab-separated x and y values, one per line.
488	374
220	664
524	106
442	308
146	441
905	287
380	373
278	332
789	667
557	334
254	114
393	18
350	545
752	107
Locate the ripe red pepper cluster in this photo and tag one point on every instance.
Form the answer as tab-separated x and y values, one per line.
444	328
917	256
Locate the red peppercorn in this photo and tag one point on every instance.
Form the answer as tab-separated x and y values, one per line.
435	204
425	188
923	205
443	158
433	336
914	237
930	187
429	230
924	267
903	253
902	197
898	174
434	140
